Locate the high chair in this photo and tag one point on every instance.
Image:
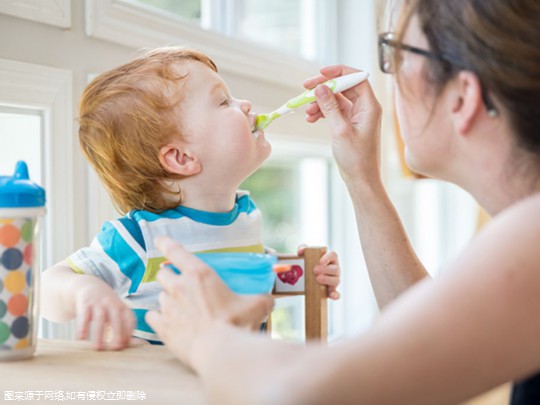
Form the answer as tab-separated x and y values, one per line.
300	280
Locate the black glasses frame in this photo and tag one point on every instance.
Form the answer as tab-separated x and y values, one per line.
387	39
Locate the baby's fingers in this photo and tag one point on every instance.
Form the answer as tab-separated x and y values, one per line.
122	323
334	295
330	270
84	317
330	281
99	319
329	257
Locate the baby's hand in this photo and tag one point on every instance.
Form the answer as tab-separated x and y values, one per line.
327	271
98	306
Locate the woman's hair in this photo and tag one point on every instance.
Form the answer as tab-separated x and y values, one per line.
498	40
126	115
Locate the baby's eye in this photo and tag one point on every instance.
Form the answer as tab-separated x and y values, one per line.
225	102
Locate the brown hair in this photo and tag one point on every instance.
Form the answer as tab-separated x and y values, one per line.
126	116
498	40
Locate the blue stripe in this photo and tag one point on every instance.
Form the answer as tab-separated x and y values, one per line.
243	204
148	216
141	322
246	204
134	230
210	218
117	249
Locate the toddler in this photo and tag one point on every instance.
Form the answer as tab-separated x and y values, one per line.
171	146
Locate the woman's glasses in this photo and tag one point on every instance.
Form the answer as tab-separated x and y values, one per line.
387	52
387	61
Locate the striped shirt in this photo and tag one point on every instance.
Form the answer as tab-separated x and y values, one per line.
123	254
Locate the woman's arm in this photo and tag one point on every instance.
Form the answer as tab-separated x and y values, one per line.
447	340
441	342
391	261
354	118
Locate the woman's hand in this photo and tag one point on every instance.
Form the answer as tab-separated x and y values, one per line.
354	117
99	308
191	303
327	271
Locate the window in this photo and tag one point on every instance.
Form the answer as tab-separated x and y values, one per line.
288	192
189	9
21	139
284	25
296	34
445	219
277	24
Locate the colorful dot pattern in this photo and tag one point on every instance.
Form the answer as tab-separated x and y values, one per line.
16	285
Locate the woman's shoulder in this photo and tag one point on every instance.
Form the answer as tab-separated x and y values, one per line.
524	215
513	235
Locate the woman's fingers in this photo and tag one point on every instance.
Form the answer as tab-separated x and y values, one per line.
180	257
251	310
327	73
156	321
314	117
338	70
314	112
169	280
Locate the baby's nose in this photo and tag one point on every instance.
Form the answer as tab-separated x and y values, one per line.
246	106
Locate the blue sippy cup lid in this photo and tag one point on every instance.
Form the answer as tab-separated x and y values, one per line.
18	191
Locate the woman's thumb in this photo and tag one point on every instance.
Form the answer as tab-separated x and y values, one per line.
329	106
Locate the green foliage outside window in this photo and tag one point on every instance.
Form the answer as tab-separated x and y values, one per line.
274	188
190	9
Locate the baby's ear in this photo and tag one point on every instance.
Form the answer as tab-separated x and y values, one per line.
177	159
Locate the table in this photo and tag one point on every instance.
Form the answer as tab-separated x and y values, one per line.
72	371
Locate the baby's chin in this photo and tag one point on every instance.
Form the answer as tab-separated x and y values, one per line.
257	133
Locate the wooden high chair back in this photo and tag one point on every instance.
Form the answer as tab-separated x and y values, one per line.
300	280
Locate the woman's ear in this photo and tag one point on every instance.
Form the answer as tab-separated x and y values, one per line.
175	158
468	102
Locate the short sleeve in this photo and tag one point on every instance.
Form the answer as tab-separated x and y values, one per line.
115	255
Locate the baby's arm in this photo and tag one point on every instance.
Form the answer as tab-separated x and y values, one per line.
66	295
327	271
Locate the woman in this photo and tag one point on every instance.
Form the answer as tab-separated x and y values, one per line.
467	91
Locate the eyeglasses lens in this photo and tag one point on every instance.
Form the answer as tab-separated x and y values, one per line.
386	58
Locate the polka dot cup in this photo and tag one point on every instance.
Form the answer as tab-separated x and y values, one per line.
18	305
22	202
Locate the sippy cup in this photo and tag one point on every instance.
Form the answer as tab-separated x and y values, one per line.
22	202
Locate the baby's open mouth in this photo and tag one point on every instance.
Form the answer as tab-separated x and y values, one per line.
253	122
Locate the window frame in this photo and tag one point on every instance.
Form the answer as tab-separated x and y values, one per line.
131	25
46	89
49	90
51	12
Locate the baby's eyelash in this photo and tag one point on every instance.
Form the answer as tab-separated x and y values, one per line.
225	102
